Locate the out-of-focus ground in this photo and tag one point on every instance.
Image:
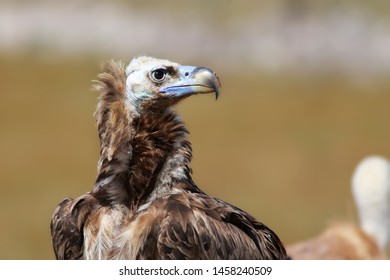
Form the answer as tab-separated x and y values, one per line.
305	96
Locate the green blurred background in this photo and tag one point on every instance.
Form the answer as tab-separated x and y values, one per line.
305	97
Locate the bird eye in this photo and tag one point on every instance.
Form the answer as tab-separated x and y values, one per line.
158	75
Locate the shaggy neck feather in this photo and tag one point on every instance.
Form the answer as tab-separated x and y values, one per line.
141	155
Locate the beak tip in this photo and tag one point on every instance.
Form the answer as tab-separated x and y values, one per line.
217	85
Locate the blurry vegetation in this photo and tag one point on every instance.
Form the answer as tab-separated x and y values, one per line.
281	148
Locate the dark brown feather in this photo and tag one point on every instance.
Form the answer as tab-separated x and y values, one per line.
67	225
196	226
145	204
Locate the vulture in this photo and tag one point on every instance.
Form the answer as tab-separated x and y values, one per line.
144	204
346	240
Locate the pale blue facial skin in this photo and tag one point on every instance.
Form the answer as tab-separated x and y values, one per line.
193	80
189	80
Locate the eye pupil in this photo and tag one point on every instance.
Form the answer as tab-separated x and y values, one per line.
158	74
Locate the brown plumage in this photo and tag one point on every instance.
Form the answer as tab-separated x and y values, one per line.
340	241
370	238
144	204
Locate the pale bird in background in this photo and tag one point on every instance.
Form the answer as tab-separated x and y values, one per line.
370	238
371	191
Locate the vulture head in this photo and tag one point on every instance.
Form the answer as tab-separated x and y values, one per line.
155	84
141	136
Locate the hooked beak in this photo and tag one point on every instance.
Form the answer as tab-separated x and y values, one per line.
193	80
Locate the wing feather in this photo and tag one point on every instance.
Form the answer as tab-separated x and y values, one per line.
212	229
67	226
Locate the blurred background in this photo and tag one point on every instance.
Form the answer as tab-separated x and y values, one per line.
305	97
